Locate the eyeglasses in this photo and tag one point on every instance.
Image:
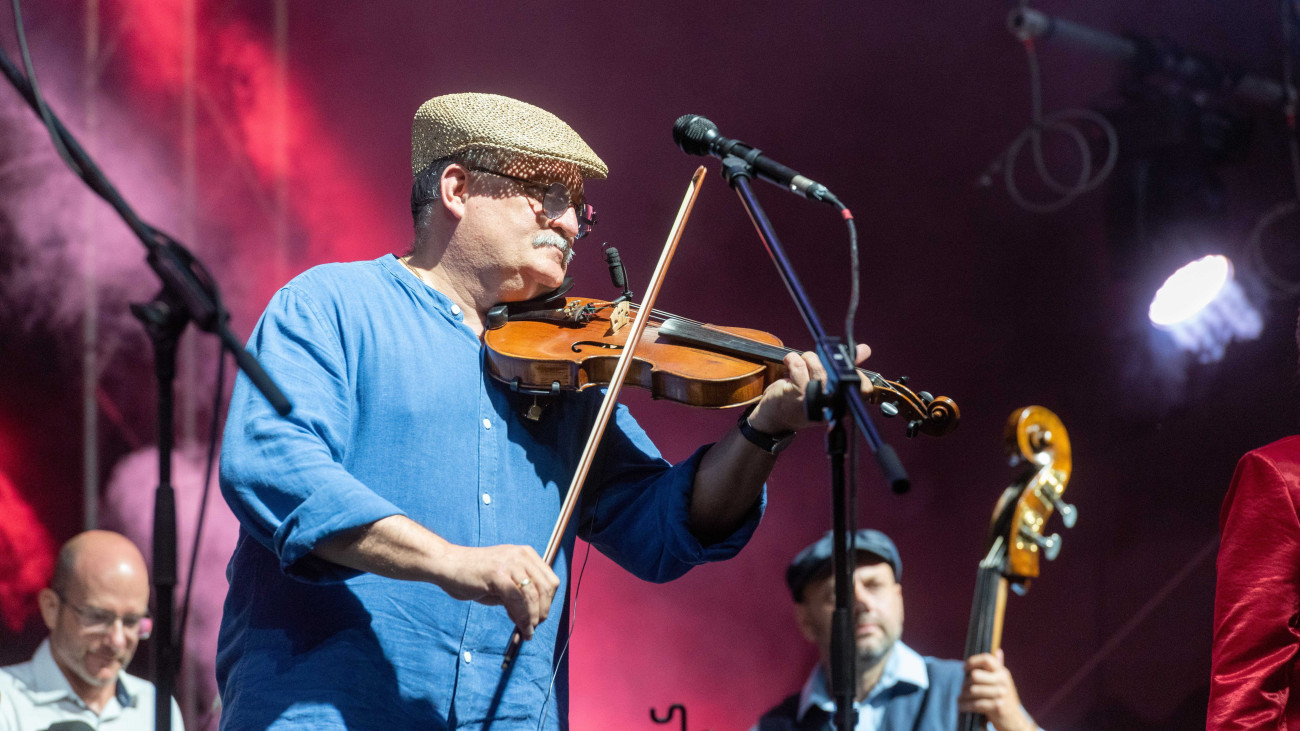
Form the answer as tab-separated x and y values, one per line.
555	199
101	621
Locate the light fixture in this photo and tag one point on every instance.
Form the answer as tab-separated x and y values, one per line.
1203	308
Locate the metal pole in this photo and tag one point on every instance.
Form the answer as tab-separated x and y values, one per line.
90	290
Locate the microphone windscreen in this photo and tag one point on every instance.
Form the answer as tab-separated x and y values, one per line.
691	132
616	274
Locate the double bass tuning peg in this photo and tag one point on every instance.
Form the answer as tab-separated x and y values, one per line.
1049	545
1069	515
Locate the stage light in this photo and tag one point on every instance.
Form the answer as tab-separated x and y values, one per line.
1203	308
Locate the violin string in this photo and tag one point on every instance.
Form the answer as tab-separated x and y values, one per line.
667	315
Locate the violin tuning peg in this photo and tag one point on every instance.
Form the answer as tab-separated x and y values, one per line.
913	427
925	396
889	408
902	380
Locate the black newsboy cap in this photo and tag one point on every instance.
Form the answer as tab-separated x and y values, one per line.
813	559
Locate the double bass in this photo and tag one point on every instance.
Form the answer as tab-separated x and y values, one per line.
1039	448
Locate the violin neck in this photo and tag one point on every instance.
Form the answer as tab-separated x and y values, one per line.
725	343
718	341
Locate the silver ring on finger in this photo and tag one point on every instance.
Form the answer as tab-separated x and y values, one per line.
525	582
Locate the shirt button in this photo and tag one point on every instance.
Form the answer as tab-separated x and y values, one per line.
455	309
487	499
468	657
487	424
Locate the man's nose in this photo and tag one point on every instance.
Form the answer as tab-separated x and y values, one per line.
117	634
863	597
567	223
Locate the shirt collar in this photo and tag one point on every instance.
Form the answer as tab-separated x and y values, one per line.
903	667
50	685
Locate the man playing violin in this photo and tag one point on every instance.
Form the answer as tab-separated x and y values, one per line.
392	523
896	687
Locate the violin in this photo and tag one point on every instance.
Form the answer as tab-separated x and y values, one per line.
573	343
1039	445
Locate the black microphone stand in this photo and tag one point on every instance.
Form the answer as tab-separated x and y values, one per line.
188	294
840	395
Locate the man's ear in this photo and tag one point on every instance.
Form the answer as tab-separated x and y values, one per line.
805	625
453	189
48	602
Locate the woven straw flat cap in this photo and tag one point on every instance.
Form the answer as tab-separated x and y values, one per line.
453	123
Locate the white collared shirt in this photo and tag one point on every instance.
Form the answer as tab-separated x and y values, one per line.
903	666
35	694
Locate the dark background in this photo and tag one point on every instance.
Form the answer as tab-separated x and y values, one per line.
896	107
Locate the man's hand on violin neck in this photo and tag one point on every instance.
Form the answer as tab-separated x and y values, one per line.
781	409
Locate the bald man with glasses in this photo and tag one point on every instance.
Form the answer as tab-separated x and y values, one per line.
97	611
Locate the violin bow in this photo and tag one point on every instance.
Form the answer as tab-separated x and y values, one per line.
611	395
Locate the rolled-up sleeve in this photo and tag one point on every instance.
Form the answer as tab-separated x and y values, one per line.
639	513
284	476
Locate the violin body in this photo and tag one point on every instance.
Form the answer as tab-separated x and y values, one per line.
549	348
550	352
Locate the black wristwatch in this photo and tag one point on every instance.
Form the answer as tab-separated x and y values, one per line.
770	443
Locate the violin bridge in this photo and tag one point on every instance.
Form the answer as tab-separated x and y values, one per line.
619	318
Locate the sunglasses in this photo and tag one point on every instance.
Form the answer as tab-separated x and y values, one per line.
555	199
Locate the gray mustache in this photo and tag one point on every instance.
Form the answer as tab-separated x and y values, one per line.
548	238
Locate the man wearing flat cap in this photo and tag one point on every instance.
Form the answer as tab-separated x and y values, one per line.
896	687
392	523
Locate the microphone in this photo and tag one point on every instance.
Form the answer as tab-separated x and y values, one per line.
617	274
70	726
696	135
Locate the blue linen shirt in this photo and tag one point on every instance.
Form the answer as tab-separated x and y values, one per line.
394	414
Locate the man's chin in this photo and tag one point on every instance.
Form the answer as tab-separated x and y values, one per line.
872	651
100	672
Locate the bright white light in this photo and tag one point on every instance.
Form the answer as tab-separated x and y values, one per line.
1188	290
1204	309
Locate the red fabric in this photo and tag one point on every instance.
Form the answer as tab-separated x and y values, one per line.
1254	675
26	557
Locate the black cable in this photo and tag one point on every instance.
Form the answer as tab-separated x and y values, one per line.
855	285
573	620
46	118
219	396
1064	122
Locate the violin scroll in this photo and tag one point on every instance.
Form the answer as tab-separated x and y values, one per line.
926	414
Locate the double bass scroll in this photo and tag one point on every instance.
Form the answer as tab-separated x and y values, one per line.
1039	447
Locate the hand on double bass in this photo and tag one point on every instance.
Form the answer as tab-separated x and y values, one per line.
990	691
